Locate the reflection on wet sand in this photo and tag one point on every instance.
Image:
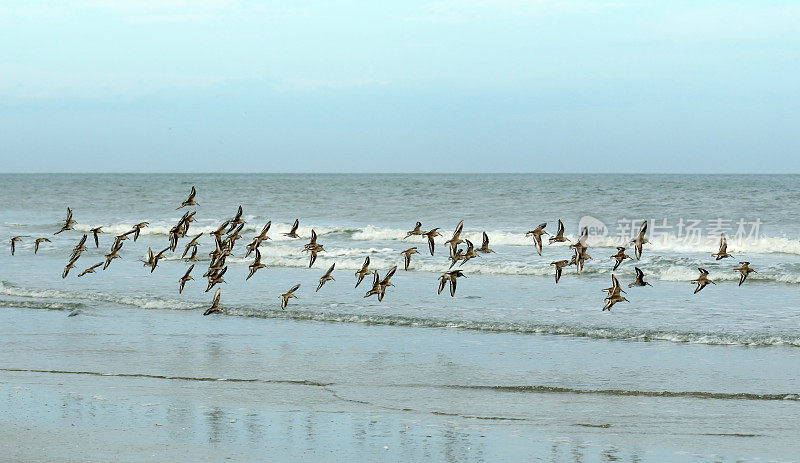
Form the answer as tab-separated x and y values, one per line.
141	413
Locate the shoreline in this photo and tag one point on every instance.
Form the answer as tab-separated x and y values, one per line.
328	392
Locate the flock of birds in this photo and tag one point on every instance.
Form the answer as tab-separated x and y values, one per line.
226	235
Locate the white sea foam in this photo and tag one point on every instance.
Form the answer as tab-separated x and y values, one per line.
143	301
660	244
667	269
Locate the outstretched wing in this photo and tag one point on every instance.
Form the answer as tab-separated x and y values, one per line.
537	241
389	274
459	227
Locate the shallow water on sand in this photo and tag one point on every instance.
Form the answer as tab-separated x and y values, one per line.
514	366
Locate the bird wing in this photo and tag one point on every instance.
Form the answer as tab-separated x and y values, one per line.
458	229
389	275
615	283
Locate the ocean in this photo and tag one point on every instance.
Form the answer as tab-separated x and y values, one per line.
514	366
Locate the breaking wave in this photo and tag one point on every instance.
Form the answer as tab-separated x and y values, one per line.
661	244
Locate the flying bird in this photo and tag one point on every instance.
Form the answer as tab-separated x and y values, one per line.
559	265
90	269
80	247
619	256
37	243
613	299
256	265
186	277
364	271
14	243
325	278
702	281
114	255
559	236
216	277
70	265
639	281
376	284
431	234
451	276
455	240
485	245
469	253
157	257
95	231
190	200
744	270
137	228
536	234
293	232
723	248
614	295
214	304
416	231
67	222
287	295
640	240
407	256
191	245
384	283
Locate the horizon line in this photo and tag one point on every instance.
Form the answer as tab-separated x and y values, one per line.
393	173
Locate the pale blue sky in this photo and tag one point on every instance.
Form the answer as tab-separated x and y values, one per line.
405	86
